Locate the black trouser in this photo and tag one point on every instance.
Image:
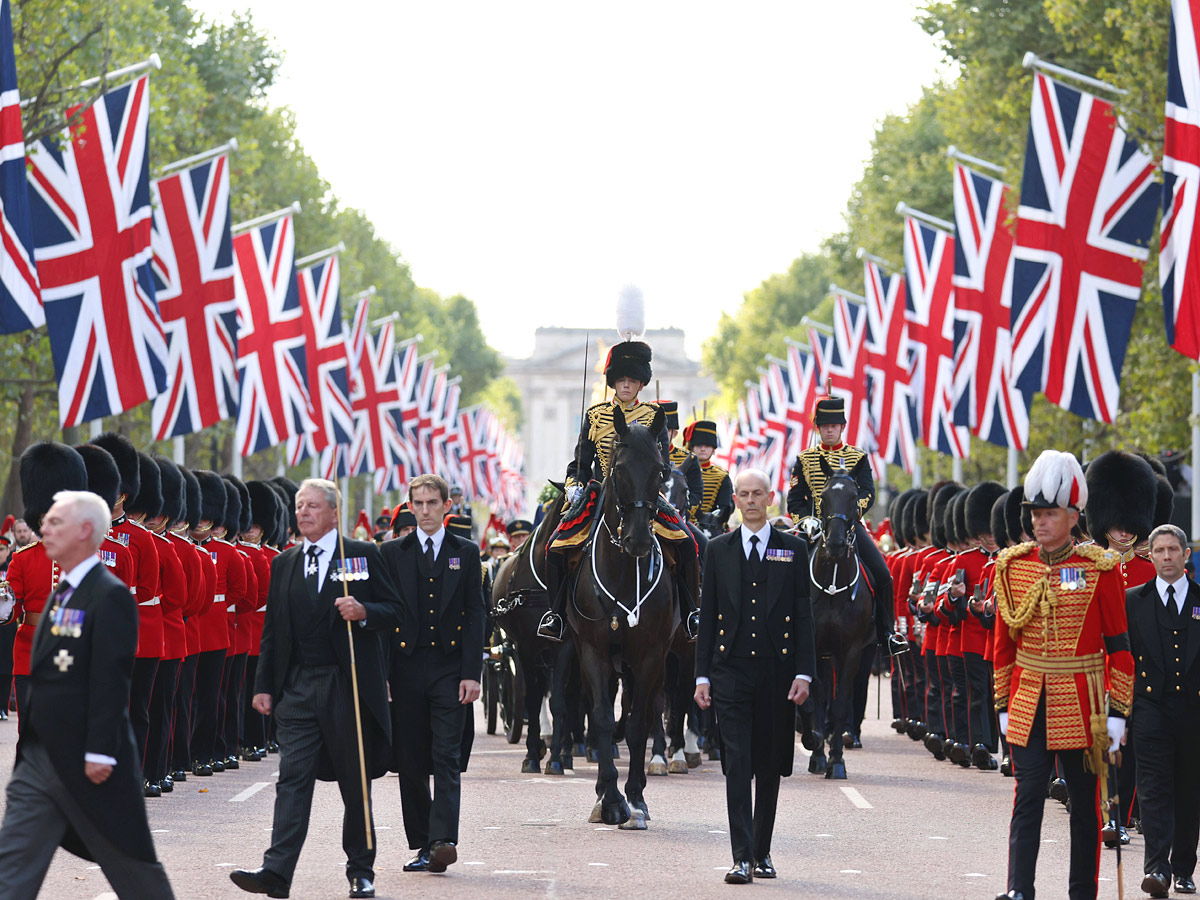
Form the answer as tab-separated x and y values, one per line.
915	688
141	689
933	690
1168	782
254	723
427	733
1127	782
1032	765
231	704
181	727
8	634
207	696
162	702
881	580
979	701
958	699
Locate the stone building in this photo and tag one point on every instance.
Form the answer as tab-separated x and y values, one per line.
551	380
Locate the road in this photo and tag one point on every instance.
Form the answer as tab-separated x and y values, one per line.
902	826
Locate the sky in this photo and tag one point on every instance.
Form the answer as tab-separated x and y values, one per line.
538	156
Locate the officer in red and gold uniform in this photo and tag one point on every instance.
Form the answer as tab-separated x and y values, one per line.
1062	637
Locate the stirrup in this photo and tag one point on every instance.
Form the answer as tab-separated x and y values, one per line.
896	644
551	627
691	625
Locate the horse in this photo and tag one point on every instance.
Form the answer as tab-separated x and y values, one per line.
623	613
843	622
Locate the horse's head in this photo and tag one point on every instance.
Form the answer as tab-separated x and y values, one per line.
675	487
839	510
635	477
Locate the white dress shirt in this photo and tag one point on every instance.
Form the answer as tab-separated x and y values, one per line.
327	543
1181	589
437	537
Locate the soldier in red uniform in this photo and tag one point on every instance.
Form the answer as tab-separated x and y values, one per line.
232	583
241	619
213	626
1061	640
928	570
266	527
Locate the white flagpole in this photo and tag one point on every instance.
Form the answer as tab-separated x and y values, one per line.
1010	475
235	467
1195	456
177	446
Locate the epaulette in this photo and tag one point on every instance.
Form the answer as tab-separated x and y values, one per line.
29	546
1104	559
1005	556
713	467
161	537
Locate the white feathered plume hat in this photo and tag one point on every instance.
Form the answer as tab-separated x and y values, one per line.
1055	480
629	357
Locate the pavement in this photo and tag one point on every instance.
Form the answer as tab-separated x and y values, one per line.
901	826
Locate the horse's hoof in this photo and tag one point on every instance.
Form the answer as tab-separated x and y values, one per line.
593	755
836	770
616	752
656	767
714	753
641	805
542	748
553	767
692	759
812	741
678	767
580	748
568	763
530	767
614	813
816	765
851	741
636	822
597	815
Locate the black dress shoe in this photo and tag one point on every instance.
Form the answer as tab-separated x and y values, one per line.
361	887
260	881
1006	767
231	762
216	765
250	754
272	747
1058	790
764	869
1157	885
1184	884
166	785
741	873
151	789
202	769
1011	895
441	855
899	726
958	754
419	863
179	775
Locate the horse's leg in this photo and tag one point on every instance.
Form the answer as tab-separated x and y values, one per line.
594	666
534	691
645	685
620	681
559	711
658	737
814	738
841	709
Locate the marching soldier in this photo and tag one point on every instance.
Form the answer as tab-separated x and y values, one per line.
266	528
683	459
1061	639
804	499
716	504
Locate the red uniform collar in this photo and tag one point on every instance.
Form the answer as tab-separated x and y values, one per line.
840	445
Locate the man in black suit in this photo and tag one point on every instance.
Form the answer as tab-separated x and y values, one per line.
1164	630
78	780
755	656
304	680
437	658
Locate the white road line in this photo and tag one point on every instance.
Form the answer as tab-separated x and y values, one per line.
974	875
107	895
250	791
597	864
851	872
856	798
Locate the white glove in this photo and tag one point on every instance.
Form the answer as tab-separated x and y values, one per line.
1003	723
1116	731
573	492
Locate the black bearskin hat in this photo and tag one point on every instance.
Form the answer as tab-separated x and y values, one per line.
956	518
1164	505
290	489
48	467
940	496
916	517
126	457
265	509
193	506
999	527
174	505
103	476
893	515
149	499
213	498
980	501
233	509
628	359
1017	518
246	517
1120	486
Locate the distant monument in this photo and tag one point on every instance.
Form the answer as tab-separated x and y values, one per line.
551	379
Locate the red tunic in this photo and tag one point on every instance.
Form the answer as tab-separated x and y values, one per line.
975	638
1136	571
230	592
941	572
260	559
173	591
141	546
212	624
193	574
244	611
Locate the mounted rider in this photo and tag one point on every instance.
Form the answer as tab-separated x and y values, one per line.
627	371
716	504
804	499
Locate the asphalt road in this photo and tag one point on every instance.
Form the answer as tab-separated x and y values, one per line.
902	826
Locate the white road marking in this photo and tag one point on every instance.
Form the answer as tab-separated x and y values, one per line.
851	871
492	827
717	831
974	875
160	831
597	864
250	791
107	895
856	798
474	863
822	835
938	837
1049	841
495	752
226	865
521	871
603	828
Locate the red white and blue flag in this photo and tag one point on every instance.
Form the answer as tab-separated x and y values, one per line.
376	446
889	369
473	453
1179	248
20	296
90	201
986	400
800	382
274	402
1088	202
192	267
327	357
929	264
841	362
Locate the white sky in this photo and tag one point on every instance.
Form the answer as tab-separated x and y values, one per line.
536	156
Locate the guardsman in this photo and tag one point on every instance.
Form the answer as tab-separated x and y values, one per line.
804	499
716	504
1062	637
241	598
926	581
915	524
941	622
518	532
267	527
899	561
683	459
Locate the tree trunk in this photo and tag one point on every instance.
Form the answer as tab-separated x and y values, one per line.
11	500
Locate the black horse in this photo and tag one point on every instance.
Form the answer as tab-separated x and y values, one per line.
843	621
624	613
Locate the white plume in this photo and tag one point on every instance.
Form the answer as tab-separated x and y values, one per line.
631	312
1057	476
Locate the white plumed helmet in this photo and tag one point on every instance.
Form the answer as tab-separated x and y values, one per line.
1055	480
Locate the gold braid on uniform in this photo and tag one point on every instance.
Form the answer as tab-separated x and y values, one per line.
1040	598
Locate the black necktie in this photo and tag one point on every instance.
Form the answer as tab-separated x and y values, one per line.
1171	605
755	559
312	569
429	552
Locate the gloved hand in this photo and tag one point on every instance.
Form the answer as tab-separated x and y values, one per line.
1003	723
574	492
1116	731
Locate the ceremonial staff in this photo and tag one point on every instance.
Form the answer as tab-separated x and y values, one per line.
362	756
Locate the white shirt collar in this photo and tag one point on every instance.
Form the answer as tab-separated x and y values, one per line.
764	535
1181	590
437	537
76	574
327	542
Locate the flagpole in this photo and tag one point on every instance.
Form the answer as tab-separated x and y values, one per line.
954	153
1033	61
266	218
849	295
313	258
1011	473
177	446
878	260
1195	455
153	61
230	146
903	209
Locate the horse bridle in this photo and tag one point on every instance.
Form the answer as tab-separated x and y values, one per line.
626	506
833	589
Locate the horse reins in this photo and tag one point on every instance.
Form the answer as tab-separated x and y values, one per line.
833	589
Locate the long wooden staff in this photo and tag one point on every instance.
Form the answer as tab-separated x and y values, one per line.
362	754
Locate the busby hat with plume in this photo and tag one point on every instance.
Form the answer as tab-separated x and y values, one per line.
403	517
830	411
670	409
701	433
1055	481
48	467
629	358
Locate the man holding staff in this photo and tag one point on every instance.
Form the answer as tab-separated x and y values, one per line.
329	597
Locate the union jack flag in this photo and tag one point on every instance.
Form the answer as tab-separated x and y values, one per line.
473	425
986	400
841	363
444	433
775	426
327	358
889	368
377	446
20	297
1181	184
192	267
800	382
274	402
91	230
929	263
727	434
1088	201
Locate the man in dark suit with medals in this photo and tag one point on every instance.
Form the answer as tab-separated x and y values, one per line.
436	662
755	658
304	677
78	780
1164	631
